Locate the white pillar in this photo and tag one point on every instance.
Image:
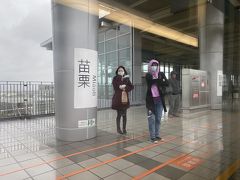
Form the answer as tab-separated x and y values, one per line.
75	68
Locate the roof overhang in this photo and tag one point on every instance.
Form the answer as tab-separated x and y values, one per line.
47	44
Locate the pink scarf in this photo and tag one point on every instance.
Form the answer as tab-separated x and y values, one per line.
154	89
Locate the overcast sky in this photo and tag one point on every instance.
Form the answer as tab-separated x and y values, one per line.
24	24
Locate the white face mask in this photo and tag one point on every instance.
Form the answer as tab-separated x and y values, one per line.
154	68
120	73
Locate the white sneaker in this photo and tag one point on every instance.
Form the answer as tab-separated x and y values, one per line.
154	141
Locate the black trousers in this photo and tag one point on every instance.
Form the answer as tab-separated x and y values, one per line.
121	113
164	105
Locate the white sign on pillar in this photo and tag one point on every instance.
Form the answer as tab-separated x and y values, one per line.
219	82
85	78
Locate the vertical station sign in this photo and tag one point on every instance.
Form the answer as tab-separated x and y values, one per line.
85	78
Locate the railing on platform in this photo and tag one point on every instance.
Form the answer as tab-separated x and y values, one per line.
26	99
21	99
136	96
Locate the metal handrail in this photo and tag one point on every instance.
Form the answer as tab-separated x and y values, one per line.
28	99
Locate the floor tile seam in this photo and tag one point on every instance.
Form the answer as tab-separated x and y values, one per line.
81	167
215	153
203	166
202	176
49	161
126	167
162	165
212	171
207	143
110	160
192	150
26	146
12	156
189	154
144	158
55	168
201	127
224	155
223	161
151	158
40	173
118	172
101	166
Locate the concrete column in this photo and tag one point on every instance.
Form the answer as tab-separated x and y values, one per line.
137	57
75	68
229	48
211	29
137	67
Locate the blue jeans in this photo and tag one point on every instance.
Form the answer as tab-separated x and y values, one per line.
154	120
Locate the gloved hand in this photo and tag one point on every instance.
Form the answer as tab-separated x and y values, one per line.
122	86
154	77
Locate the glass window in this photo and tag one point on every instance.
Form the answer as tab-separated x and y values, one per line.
101	60
124	58
111	65
101	48
171	68
167	75
111	33
123	29
100	37
110	74
101	69
126	63
144	67
124	41
129	71
101	91
109	92
111	45
111	59
162	68
167	68
124	54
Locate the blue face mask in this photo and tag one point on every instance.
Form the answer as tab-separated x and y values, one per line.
154	68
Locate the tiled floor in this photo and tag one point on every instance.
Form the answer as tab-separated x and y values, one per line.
202	144
236	175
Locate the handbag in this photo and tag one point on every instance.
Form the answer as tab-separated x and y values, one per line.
124	98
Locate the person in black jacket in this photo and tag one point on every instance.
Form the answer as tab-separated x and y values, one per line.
156	82
162	78
174	95
121	82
